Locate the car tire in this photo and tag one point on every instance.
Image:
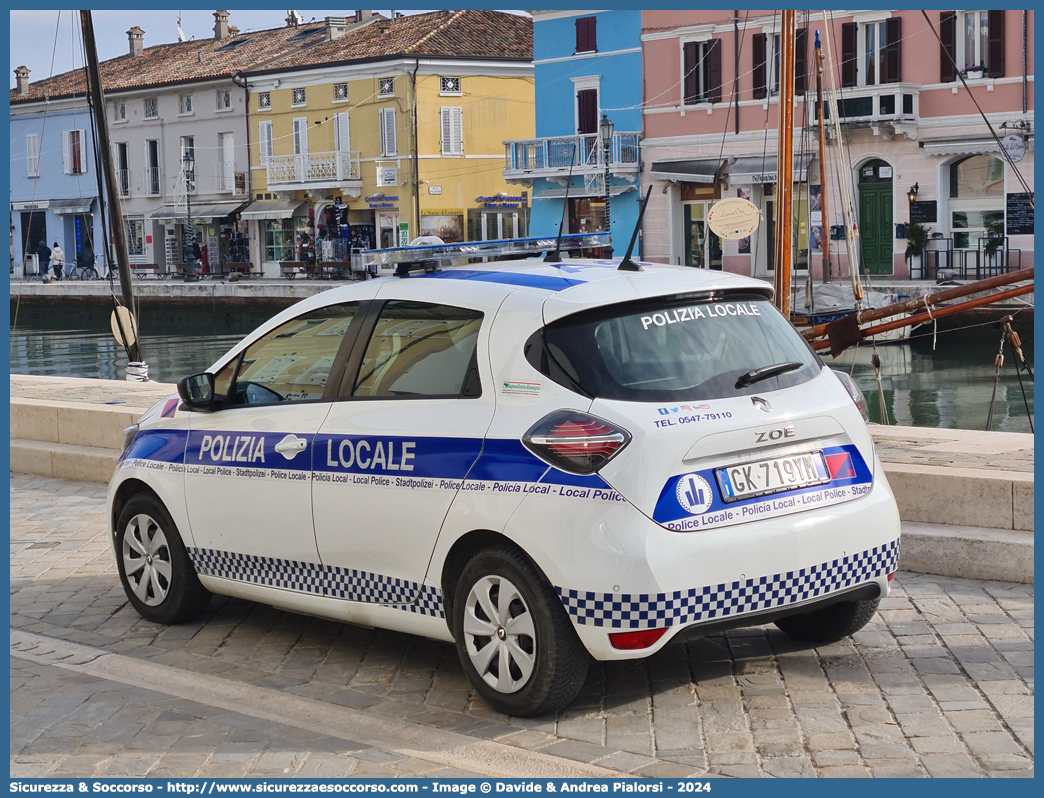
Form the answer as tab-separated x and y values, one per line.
829	624
546	662
154	567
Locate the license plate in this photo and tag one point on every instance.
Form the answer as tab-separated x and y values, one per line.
772	476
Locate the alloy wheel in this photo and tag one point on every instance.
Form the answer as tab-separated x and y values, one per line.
499	634
146	560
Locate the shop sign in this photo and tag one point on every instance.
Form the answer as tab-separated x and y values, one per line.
734	218
404	234
382	202
1015	147
500	201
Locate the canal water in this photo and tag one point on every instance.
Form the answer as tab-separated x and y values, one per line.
948	388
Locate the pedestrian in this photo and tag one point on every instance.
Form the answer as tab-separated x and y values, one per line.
43	252
58	261
197	255
85	260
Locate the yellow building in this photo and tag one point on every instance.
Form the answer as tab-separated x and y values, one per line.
394	127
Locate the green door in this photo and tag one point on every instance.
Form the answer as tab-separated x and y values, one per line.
875	227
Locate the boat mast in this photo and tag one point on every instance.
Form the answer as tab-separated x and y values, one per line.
785	163
825	218
119	231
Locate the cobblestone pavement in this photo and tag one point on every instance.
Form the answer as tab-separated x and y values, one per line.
939	684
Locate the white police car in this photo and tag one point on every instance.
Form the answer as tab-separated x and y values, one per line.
541	462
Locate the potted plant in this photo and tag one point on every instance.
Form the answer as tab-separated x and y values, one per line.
994	242
916	240
975	71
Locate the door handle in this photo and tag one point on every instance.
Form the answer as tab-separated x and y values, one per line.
290	446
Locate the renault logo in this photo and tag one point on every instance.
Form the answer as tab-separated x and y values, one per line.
761	404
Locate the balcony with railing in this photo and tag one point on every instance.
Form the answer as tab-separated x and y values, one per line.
229	181
152	181
890	104
314	170
123	182
555	155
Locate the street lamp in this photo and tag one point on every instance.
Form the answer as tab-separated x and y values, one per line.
605	133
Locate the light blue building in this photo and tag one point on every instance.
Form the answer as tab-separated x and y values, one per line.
588	71
54	179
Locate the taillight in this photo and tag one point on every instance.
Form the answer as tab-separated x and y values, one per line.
854	392
633	641
575	442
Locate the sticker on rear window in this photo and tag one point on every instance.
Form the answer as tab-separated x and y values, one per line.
700	312
516	388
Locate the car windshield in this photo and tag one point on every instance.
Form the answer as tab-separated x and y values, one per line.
679	348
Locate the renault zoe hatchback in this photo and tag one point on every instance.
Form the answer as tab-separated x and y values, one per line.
541	463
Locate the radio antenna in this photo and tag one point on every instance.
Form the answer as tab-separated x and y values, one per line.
556	256
628	265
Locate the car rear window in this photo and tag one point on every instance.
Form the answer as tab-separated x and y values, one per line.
674	349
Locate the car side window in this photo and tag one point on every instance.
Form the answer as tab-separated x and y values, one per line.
292	363
420	349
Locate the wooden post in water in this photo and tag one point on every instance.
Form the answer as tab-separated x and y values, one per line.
785	164
119	231
825	224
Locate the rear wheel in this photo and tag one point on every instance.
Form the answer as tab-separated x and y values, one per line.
830	623
154	567
514	639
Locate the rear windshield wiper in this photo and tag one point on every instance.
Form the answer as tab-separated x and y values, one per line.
763	373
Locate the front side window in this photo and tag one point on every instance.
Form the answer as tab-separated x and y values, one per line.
280	235
674	348
298	97
32	155
701	72
386	87
185	104
418	349
188	161
340	92
151	107
976	40
586	35
74	153
136	238
449	86
224	99
264	101
292	363
119	111
976	200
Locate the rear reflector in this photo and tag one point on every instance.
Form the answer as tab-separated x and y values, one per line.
891	576
575	441
632	641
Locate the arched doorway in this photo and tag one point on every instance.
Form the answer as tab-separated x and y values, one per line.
875	217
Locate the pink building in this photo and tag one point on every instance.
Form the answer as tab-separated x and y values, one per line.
909	126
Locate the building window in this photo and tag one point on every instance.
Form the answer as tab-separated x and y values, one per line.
701	71
342	133
74	153
224	99
279	238
152	108
119	111
152	169
765	53
586	38
298	97
389	147
300	135
870	52
340	92
136	238
449	86
32	155
264	101
386	87
265	141
452	131
185	104
976	40
188	162
976	200
123	168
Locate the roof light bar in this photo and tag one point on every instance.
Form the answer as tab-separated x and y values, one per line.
429	258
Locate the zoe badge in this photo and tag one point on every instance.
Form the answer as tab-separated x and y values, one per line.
694	494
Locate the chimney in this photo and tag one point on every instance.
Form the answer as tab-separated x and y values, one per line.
291	20
22	79
336	27
220	25
136	40
362	16
233	30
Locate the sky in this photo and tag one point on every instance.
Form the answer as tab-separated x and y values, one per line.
48	42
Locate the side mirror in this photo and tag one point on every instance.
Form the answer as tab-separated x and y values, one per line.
197	391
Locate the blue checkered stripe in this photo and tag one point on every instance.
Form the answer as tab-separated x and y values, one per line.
645	611
320	580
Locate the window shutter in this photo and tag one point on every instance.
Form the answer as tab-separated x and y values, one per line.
892	60
265	141
457	129
689	55
67	152
300	136
801	62
343	132
848	54
81	152
388	144
948	49
32	155
995	62
759	72
445	131
714	71
586	40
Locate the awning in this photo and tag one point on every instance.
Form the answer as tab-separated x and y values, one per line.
742	170
274	209
79	205
961	147
559	193
203	212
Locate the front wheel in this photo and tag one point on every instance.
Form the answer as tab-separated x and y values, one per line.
154	567
830	624
514	639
